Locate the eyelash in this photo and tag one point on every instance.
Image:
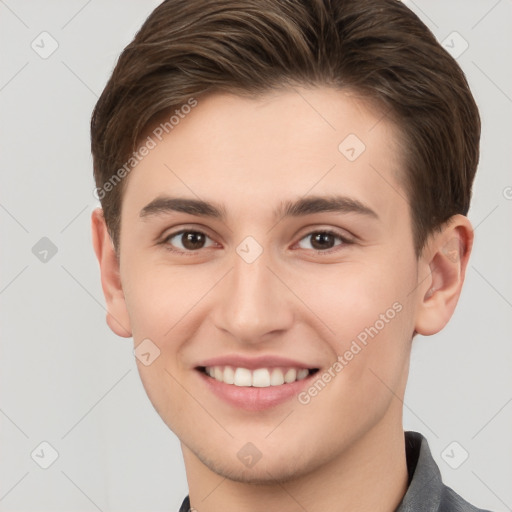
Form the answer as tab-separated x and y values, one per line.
345	241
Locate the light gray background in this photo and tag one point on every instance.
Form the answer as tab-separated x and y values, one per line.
66	379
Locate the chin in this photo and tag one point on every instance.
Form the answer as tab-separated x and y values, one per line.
266	471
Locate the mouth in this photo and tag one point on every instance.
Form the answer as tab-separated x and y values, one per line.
259	377
255	389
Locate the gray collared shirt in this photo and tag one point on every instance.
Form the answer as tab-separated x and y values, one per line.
426	491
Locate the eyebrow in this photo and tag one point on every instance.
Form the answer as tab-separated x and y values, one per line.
299	208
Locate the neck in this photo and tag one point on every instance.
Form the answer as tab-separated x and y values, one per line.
370	475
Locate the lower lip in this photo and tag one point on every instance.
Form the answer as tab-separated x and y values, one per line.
253	398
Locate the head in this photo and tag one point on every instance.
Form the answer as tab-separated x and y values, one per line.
256	126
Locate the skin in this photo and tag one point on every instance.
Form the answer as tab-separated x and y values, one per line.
248	155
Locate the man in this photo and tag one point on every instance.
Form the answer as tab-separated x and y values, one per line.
284	189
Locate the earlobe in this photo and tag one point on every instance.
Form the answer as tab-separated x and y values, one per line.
117	314
443	266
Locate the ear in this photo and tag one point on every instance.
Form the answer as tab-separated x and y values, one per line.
442	268
117	313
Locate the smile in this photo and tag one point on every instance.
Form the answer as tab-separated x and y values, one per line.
258	377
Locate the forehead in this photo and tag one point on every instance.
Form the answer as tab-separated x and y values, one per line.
253	153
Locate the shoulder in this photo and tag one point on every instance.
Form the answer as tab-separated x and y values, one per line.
426	491
452	502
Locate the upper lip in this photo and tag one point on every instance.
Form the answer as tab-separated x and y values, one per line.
252	363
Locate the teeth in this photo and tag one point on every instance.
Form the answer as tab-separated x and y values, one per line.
229	375
243	377
276	377
290	375
218	374
302	374
259	378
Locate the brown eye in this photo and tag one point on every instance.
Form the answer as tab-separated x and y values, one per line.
322	240
184	241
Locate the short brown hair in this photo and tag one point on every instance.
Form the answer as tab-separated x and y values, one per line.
377	48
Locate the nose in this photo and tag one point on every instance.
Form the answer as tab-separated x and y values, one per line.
253	303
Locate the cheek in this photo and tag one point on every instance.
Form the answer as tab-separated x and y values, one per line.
370	315
160	297
354	296
158	300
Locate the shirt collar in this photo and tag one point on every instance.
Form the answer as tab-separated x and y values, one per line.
425	484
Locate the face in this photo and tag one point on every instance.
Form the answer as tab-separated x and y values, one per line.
267	260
